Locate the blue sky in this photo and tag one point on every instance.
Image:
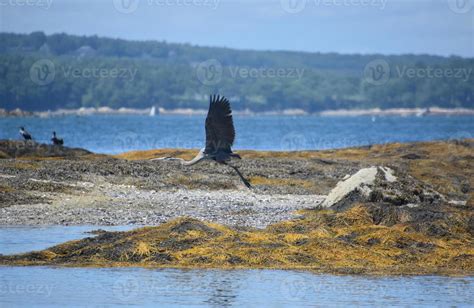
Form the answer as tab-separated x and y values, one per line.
346	26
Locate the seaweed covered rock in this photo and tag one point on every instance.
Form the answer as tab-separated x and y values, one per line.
392	198
326	240
31	149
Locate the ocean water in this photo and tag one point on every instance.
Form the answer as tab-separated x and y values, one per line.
118	133
19	239
106	287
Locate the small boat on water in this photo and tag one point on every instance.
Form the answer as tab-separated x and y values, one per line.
152	111
423	112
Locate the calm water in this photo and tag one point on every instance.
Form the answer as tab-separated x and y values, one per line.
119	133
92	287
65	287
18	239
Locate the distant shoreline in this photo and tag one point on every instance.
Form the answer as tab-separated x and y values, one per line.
436	111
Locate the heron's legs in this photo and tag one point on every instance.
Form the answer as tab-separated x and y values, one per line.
240	175
235	155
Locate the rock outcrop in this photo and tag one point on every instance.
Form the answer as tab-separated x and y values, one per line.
16	149
379	184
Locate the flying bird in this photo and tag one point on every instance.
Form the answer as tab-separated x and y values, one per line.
56	140
26	135
220	136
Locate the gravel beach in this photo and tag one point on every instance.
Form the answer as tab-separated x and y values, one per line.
109	204
46	185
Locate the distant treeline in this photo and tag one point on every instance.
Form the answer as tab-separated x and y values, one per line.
41	72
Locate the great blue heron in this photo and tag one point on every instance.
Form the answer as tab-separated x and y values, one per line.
26	135
220	135
56	140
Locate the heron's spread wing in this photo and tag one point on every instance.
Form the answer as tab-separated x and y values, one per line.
220	132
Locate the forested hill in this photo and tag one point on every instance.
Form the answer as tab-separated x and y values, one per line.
41	72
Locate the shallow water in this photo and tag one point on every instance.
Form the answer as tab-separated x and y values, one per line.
120	133
60	287
19	239
25	286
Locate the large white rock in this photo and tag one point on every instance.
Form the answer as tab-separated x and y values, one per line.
362	181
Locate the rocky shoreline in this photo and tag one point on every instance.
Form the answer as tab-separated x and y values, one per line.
394	208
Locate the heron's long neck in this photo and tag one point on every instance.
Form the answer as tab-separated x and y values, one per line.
193	161
196	159
201	156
